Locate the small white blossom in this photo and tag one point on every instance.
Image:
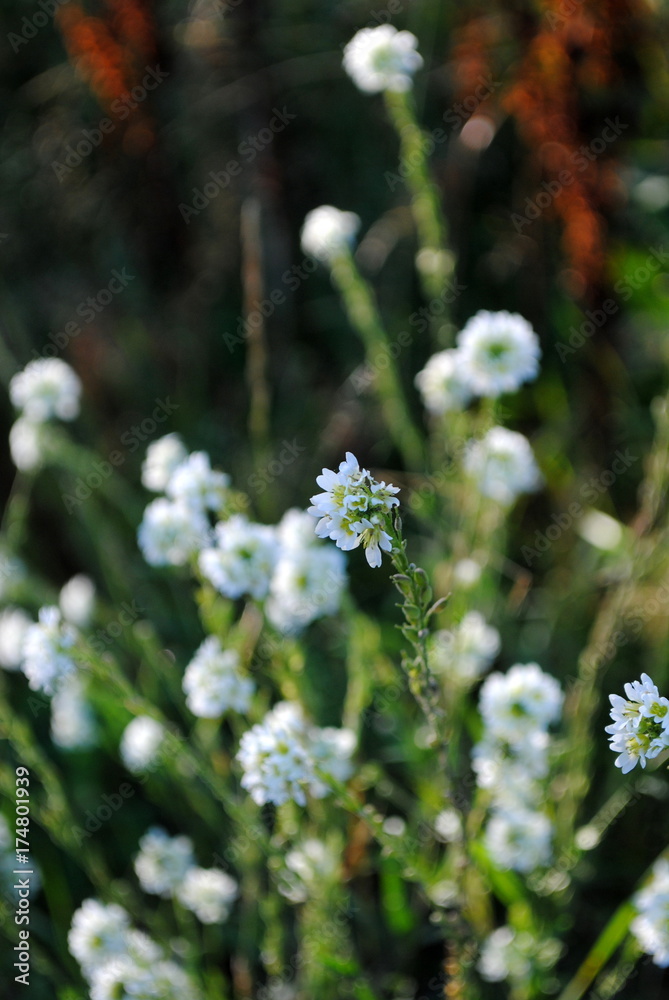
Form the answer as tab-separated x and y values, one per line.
466	652
442	384
308	868
516	703
195	484
327	232
520	840
141	743
354	508
172	533
209	893
330	751
163	861
516	955
498	351
14	624
46	388
162	458
382	58
98	933
243	559
47	651
26	444
502	465
307	584
124	978
214	682
72	722
651	925
77	600
640	727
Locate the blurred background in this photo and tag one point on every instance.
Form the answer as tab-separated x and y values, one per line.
156	164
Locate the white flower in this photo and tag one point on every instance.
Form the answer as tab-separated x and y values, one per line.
330	751
46	388
498	351
382	58
162	458
125	978
209	893
520	840
354	509
467	651
515	955
98	932
195	484
26	444
141	743
14	624
448	825
243	560
72	721
47	657
467	573
77	599
307	584
171	533
516	703
502	465
442	384
651	925
214	682
308	868
295	531
327	232
640	727
163	861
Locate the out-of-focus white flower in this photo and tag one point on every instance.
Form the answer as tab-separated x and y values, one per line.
442	384
521	840
172	533
208	893
354	508
163	861
141	743
497	352
508	954
72	722
279	757
46	388
243	559
327	232
307	584
520	701
26	444
502	465
382	58
295	531
465	652
195	484
308	868
98	933
125	978
448	825
162	458
14	624
467	573
47	651
214	682
77	600
640	727
651	925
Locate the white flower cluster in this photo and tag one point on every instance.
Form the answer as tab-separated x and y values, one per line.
307	869
141	743
14	623
47	388
47	651
280	755
640	727
327	232
651	925
242	559
72	722
382	58
121	962
512	762
354	509
465	652
496	352
214	682
508	954
77	600
502	465
165	866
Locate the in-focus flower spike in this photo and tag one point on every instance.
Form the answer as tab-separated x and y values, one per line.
354	509
640	727
382	58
